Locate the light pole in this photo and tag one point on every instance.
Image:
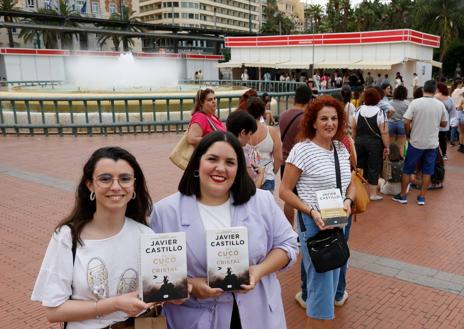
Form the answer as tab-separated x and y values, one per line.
249	15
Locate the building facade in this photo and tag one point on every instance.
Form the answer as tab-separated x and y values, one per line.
225	15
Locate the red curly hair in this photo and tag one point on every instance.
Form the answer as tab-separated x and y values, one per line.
242	105
311	112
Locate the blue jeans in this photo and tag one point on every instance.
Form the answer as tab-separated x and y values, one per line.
321	287
454	134
342	279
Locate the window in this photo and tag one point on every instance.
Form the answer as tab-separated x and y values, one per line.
113	8
31	4
95	8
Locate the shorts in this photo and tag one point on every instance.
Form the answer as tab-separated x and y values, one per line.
268	185
321	287
396	128
426	158
461	117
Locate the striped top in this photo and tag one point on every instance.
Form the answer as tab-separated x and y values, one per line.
318	169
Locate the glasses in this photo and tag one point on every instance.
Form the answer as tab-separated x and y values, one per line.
106	181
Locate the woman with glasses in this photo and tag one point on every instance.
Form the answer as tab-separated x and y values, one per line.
90	270
203	119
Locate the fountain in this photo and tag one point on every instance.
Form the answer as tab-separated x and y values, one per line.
110	90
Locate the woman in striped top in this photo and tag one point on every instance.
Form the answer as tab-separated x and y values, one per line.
310	167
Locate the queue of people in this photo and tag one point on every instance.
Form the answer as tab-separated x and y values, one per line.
89	275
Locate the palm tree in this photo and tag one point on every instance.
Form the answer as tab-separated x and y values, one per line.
313	18
8	5
51	38
368	15
125	16
276	21
443	17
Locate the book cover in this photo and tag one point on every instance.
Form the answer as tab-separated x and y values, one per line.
227	257
330	204
163	267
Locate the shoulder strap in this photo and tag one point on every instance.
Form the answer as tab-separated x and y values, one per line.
373	131
211	123
289	125
337	169
339	185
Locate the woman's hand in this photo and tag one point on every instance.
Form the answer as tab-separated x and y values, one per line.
130	304
255	277
347	206
317	218
386	152
200	289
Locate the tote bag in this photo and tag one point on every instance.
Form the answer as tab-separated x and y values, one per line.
361	199
183	150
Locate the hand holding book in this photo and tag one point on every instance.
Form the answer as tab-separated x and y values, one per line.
255	277
201	289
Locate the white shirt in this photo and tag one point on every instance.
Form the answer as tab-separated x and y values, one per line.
318	169
369	111
215	217
105	268
426	114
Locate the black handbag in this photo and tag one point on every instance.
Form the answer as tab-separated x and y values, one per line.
328	248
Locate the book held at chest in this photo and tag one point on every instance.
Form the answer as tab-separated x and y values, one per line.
163	267
330	204
227	258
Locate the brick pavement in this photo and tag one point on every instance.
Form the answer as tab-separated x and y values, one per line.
36	172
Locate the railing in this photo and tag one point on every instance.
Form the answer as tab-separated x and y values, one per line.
42	83
103	114
259	85
109	114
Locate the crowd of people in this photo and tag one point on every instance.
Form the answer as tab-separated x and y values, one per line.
88	278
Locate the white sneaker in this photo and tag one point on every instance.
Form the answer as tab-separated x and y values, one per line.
342	301
300	300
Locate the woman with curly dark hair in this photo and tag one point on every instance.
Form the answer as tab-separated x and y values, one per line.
310	167
371	139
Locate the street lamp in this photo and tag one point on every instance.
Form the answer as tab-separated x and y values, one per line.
249	15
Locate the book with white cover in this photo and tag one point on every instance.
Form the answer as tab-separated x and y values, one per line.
227	257
330	204
163	267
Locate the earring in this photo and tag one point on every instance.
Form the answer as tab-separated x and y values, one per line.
92	196
196	173
133	195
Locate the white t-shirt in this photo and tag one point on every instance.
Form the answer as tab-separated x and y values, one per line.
215	217
426	114
318	169
104	268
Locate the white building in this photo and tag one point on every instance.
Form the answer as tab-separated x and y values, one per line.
226	15
405	51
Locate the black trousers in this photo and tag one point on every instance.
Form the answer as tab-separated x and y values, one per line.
370	157
235	321
442	140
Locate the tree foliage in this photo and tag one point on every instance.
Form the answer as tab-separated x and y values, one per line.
51	38
276	21
8	5
126	16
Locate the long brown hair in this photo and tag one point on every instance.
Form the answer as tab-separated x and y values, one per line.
137	209
200	99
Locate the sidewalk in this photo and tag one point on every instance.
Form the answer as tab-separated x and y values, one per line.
407	269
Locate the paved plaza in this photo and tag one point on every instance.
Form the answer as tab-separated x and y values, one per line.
407	264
